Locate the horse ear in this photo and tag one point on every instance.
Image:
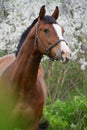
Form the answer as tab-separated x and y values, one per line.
42	12
56	13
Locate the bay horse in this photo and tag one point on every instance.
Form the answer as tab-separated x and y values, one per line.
23	76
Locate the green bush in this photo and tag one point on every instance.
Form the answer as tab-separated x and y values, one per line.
67	115
65	80
2	53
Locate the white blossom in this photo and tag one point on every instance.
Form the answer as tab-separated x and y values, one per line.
21	13
83	64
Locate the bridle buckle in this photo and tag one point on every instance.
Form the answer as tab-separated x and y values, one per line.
47	51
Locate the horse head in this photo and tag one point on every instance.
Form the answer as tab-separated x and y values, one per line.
49	36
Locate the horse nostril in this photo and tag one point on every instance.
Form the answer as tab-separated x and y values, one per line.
67	59
62	52
65	56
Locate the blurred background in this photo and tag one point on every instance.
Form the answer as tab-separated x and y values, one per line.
67	84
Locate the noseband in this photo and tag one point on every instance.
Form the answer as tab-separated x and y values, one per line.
47	50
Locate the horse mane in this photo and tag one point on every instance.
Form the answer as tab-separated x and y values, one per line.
24	35
47	19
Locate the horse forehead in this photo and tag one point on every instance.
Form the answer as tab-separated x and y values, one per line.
58	30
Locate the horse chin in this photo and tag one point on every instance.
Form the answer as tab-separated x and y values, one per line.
65	61
58	58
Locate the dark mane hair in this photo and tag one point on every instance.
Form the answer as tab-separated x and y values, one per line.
47	19
24	35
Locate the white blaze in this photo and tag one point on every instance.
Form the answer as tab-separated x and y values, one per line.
63	45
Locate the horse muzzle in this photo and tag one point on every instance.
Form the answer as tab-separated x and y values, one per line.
65	56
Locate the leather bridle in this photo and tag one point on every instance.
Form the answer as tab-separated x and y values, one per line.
47	50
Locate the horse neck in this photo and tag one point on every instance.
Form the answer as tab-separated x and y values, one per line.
27	63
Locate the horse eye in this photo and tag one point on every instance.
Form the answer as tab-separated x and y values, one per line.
46	30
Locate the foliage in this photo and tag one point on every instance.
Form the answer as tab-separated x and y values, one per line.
68	115
2	53
66	107
10	118
64	80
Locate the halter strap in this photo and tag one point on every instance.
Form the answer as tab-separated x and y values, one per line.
56	43
38	38
47	50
